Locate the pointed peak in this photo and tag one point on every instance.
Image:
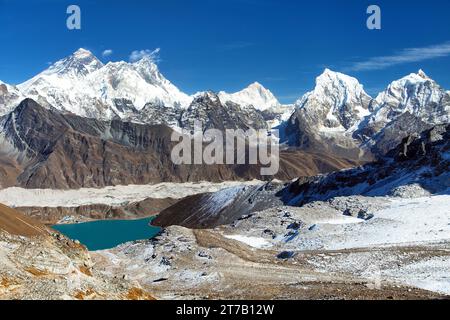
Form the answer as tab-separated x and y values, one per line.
422	74
256	84
79	63
258	87
418	77
333	78
144	60
331	73
334	74
83	53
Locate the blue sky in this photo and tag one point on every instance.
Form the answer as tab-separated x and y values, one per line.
226	45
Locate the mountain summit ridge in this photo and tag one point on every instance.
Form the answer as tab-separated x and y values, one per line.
336	114
255	95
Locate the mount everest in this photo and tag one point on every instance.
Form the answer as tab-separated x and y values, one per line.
337	116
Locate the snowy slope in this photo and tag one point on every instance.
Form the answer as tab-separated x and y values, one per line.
81	84
10	96
339	115
337	103
254	95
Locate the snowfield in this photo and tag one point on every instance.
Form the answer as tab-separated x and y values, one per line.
254	242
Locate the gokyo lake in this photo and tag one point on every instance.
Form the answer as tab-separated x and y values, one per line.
107	234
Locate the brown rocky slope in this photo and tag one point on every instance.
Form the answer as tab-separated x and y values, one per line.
41	148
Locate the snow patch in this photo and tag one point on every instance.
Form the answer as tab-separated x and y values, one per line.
254	242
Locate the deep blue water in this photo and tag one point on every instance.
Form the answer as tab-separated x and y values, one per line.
106	234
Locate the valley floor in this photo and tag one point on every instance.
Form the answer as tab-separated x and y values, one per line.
395	248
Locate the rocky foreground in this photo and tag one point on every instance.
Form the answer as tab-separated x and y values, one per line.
380	231
38	263
313	252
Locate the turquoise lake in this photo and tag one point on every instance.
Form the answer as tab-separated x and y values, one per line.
100	235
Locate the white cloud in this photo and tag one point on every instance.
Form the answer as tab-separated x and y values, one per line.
107	53
139	54
404	56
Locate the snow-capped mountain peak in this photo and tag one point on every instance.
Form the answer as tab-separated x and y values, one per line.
10	97
340	87
422	74
148	69
338	102
81	63
255	95
140	83
416	94
82	84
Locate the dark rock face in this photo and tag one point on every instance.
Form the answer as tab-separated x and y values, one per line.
285	255
43	148
156	114
301	132
208	109
417	146
390	136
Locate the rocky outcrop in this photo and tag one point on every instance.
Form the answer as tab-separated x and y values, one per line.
420	161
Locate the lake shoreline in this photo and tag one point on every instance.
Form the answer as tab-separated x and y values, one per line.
107	234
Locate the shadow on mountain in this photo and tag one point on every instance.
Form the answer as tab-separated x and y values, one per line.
419	166
43	148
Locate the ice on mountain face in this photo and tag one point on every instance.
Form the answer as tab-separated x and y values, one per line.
10	97
409	105
254	95
140	82
416	94
337	103
81	84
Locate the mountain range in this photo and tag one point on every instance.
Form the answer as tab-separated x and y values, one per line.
120	111
44	148
418	166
